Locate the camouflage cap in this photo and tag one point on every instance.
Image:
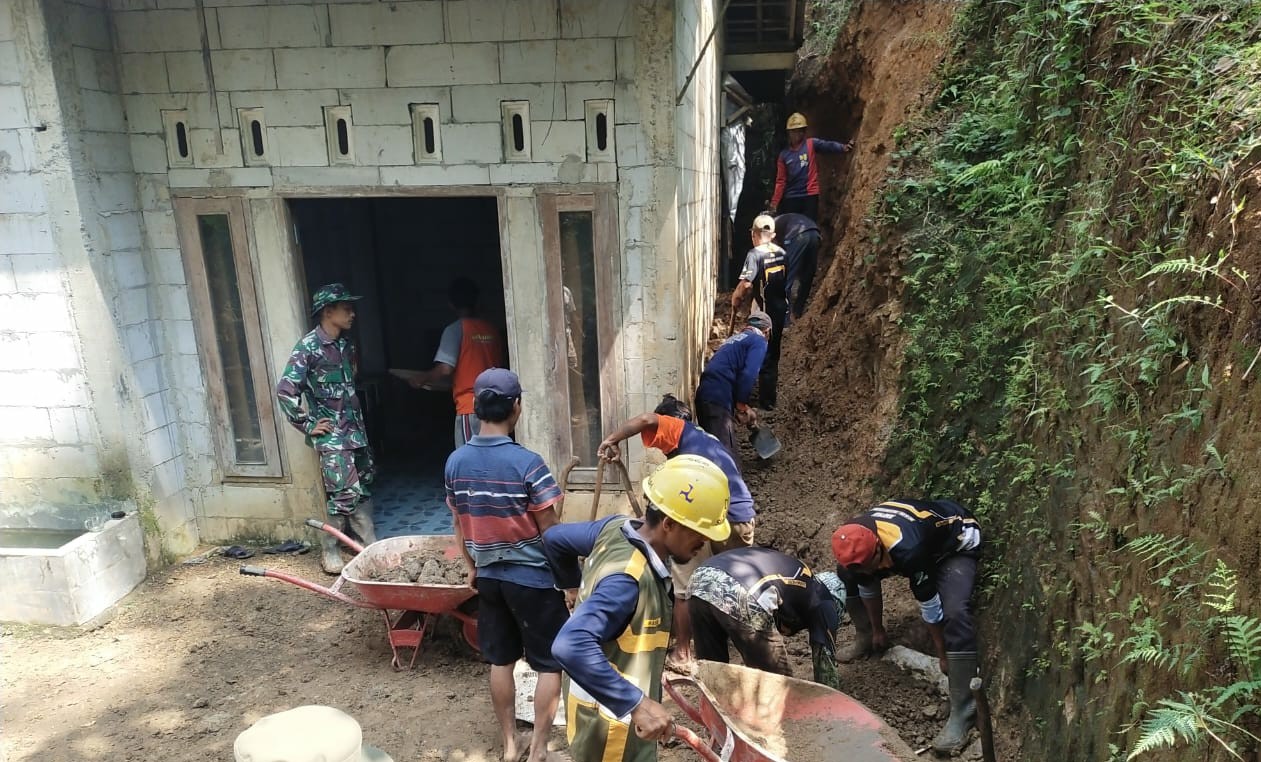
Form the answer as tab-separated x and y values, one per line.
330	294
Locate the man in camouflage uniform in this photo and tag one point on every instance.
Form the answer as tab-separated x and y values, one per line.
321	370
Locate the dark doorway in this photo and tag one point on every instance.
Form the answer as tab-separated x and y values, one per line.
401	254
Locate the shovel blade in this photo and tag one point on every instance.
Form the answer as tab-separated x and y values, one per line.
765	443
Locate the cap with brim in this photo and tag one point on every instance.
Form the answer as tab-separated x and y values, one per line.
331	294
500	381
306	734
853	544
765	223
760	320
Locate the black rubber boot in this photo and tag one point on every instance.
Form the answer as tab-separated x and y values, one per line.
861	647
361	522
953	737
330	555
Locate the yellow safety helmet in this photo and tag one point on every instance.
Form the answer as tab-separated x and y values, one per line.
797	121
694	492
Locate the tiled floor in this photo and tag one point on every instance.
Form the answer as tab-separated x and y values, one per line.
410	500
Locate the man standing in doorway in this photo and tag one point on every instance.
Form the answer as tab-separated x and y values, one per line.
722	397
613	648
765	274
321	369
799	236
469	346
797	173
504	497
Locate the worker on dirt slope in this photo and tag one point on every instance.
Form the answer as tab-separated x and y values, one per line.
504	497
468	346
765	275
669	428
613	648
799	236
936	545
797	173
722	396
321	369
756	596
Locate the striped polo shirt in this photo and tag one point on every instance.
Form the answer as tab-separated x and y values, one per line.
493	485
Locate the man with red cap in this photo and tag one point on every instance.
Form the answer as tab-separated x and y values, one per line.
935	544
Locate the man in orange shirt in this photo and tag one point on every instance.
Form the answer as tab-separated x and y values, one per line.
469	346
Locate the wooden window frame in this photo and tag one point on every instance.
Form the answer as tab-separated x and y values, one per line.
187	210
602	203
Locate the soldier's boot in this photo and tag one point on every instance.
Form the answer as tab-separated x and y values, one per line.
361	522
330	555
861	647
953	737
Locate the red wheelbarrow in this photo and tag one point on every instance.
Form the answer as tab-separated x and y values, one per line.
756	716
419	606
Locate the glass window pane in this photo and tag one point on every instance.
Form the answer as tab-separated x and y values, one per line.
229	326
577	257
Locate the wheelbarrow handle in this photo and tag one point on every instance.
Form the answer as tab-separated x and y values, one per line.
699	746
327	592
254	571
693	713
324	527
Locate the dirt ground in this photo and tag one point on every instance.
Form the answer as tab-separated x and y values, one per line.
199	652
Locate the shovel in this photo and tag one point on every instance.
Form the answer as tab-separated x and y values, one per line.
764	442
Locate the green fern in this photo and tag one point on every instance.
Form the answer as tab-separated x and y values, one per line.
1243	639
1187	721
1220	595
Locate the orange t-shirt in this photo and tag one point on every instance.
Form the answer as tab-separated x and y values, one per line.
666	435
480	348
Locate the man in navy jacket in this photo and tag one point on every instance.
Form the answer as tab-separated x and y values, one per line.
722	397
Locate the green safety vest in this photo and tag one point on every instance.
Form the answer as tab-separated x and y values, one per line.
638	654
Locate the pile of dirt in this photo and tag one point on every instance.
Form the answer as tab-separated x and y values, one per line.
424	569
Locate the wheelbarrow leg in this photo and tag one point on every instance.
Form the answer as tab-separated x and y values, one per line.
407	631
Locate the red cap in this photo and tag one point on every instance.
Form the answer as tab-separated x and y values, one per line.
853	544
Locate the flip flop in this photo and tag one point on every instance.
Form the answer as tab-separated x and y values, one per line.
289	546
238	552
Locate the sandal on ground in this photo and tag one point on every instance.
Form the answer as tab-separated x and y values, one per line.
292	547
238	552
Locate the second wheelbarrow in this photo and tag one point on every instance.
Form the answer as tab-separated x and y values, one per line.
756	716
418	605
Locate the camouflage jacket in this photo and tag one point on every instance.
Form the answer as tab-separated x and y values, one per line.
321	372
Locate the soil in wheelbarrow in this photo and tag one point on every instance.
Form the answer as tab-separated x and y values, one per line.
424	569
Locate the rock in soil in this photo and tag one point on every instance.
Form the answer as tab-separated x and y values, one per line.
424	570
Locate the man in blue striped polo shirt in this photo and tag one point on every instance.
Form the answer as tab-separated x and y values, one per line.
503	497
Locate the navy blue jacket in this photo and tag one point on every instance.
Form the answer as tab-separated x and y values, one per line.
729	375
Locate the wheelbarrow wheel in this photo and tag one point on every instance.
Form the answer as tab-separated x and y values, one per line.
467	614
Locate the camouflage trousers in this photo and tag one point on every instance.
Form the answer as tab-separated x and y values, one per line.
347	474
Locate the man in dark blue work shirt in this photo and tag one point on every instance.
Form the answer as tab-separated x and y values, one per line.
765	276
722	397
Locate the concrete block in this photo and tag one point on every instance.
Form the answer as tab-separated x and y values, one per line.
302	178
153	191
107	151
590	59
463	174
273	26
632	148
189	383
528	61
38	273
558	141
6	21
182	337
95	70
144	111
139	341
443	64
132	306
53	350
64	429
384	145
578	93
12	107
237	177
289	108
395	23
480	103
186	72
312	68
17	151
467	143
606	172
160	445
498	20
114	192
243	69
625	53
26	234
25	424
122	231
14	351
8	284
160	230
173	303
155	31
596	18
299	146
9	72
215	147
86	424
389	105
43	388
86	27
23	193
153	412
168	479
148	154
147	375
530	173
168	267
143	72
106	110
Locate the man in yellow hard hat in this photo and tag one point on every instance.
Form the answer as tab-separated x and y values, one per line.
613	648
797	174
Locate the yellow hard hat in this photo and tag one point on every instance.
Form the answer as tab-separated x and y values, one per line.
694	492
797	121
